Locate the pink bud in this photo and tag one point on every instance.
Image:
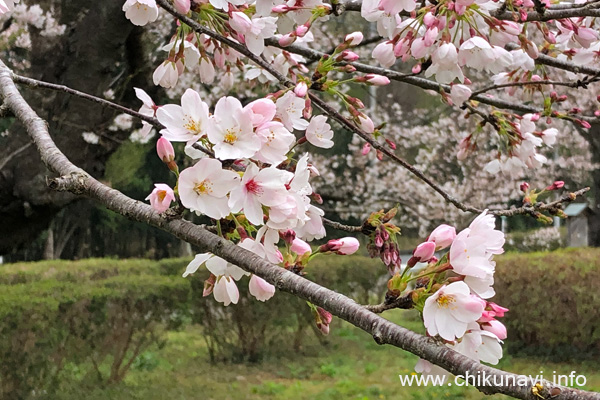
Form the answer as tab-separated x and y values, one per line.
443	236
429	19
496	327
182	6
301	89
240	22
323	320
281	9
354	38
349	56
209	285
366	124
366	149
424	251
287	40
416	69
165	150
302	30
344	246
300	247
556	185
498	310
524	187
377	80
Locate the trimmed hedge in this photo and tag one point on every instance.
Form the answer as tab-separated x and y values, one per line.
90	311
100	314
554	300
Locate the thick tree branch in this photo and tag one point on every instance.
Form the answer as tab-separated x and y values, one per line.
383	331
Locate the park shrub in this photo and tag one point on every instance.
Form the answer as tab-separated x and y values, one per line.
100	314
554	301
103	317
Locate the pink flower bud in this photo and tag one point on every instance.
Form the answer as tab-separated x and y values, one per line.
301	89
556	185
344	246
240	22
209	285
498	310
182	6
323	318
424	251
288	236
287	40
366	124
354	38
496	327
442	236
161	197
416	69
300	247
524	187
349	56
165	150
281	9
302	30
377	80
366	149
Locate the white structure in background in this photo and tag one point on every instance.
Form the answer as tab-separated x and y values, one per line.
578	232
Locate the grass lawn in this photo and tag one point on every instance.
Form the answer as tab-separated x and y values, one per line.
350	366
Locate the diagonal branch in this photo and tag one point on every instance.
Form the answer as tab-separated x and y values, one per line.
383	331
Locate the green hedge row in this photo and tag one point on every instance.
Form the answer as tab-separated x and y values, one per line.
97	312
554	300
103	313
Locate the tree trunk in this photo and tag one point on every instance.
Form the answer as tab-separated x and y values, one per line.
49	245
100	50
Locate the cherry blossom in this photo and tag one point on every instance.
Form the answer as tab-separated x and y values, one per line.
319	133
259	188
449	311
276	142
166	74
204	187
139	12
185	123
260	288
289	111
231	130
254	30
148	109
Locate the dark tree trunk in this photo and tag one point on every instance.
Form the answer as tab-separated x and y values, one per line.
100	50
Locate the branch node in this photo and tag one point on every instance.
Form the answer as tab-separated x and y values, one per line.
75	183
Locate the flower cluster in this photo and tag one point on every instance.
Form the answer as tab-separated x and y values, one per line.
245	174
452	292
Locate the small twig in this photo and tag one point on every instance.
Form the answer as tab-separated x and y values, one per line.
14	154
106	103
404	302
